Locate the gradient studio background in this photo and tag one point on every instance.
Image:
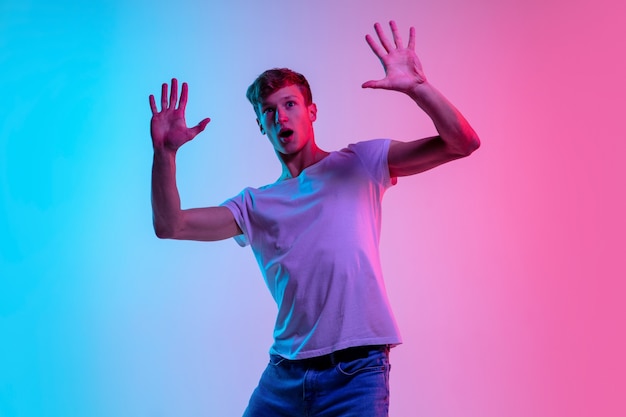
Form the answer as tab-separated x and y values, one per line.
506	270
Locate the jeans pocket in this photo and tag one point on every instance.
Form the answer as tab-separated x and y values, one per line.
377	362
276	360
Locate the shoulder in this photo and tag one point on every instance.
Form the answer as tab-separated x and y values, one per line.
372	146
372	154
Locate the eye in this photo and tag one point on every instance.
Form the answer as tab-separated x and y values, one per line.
268	110
291	103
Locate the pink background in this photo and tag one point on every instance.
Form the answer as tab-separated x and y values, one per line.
506	270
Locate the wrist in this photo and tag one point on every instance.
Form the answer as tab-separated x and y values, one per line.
163	151
420	89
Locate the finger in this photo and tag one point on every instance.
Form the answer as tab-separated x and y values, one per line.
383	38
153	106
411	44
174	93
164	96
183	97
396	34
372	84
200	126
378	50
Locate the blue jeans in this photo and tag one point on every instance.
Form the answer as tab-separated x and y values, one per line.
357	388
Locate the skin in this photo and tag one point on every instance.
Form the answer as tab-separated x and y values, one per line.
287	121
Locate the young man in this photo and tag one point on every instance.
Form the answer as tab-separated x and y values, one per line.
315	232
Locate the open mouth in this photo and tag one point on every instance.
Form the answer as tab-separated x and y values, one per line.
285	133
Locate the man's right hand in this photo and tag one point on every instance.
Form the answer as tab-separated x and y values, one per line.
168	127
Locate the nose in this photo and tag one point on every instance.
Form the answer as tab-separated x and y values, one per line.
280	116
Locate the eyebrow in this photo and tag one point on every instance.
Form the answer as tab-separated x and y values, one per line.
289	97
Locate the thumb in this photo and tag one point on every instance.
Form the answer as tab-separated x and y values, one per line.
200	126
372	84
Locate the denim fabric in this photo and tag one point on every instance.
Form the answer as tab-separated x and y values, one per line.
359	388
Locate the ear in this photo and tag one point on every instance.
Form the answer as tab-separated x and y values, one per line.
312	112
258	122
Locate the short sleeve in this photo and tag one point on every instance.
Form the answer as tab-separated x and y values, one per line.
238	208
373	154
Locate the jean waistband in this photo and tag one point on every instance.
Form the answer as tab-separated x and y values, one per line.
343	355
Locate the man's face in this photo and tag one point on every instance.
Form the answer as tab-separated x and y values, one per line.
287	120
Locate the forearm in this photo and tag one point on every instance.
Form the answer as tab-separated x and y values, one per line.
453	128
166	209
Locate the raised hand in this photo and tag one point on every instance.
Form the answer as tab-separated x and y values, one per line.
168	127
403	69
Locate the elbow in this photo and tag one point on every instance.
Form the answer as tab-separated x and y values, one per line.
161	234
163	231
169	226
473	144
469	144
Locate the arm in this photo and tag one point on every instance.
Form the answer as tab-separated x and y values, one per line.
169	132
404	73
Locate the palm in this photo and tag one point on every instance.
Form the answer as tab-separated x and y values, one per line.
170	129
402	70
168	126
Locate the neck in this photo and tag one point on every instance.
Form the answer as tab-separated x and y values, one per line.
295	163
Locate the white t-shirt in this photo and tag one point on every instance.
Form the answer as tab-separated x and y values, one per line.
316	239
